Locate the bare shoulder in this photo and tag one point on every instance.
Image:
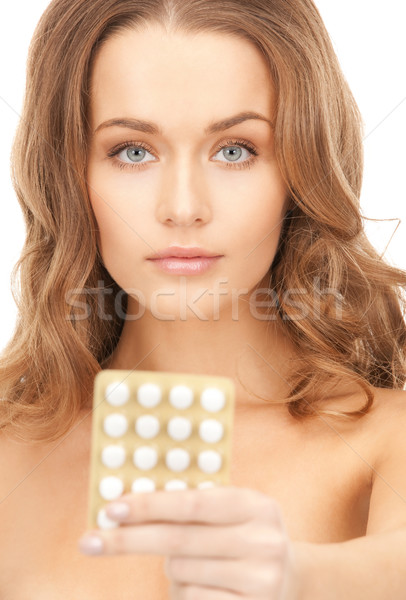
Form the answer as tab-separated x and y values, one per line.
388	406
38	481
16	456
388	432
388	418
380	432
389	409
384	425
19	462
379	438
390	397
25	464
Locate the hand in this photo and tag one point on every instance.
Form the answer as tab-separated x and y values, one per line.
221	543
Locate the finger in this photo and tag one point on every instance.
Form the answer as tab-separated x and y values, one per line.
189	540
187	592
224	504
252	578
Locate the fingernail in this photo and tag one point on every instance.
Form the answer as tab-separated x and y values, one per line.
118	510
91	544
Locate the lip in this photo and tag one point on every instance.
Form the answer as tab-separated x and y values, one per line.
178	265
183	252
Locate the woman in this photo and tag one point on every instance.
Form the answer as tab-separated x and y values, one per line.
151	131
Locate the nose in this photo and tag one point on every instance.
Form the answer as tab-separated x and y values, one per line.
183	199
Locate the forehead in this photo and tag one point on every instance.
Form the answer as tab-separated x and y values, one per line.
178	77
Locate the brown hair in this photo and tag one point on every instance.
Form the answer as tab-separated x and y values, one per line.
47	368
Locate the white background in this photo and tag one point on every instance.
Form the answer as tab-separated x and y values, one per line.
369	38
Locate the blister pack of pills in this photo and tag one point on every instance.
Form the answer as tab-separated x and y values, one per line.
157	431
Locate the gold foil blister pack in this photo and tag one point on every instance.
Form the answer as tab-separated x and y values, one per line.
157	431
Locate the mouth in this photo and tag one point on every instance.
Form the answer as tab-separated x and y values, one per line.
192	264
178	252
177	257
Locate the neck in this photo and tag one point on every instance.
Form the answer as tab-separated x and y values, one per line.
254	352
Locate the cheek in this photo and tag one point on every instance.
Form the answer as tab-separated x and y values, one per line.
117	240
260	248
119	248
260	213
118	218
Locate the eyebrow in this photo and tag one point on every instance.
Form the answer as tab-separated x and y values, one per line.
148	127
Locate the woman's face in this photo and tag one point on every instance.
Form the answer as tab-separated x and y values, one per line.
186	184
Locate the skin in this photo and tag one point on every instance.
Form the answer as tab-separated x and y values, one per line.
186	195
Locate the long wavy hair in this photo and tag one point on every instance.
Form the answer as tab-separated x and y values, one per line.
47	368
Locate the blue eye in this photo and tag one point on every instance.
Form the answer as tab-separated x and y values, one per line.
234	152
135	154
136	151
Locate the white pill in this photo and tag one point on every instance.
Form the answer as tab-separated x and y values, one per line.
111	487
212	399
145	458
179	428
143	484
203	485
177	459
176	484
211	430
115	425
149	395
147	426
117	393
209	461
104	522
181	396
113	456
